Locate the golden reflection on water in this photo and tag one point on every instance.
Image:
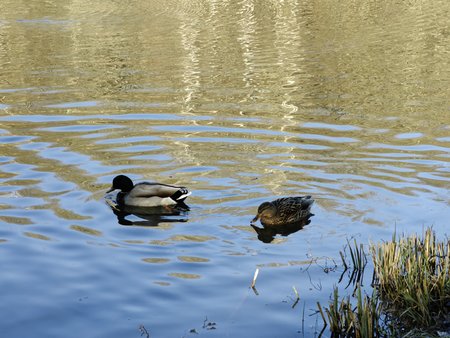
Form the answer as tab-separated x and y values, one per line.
191	238
37	236
16	220
239	100
185	275
192	259
157	260
86	230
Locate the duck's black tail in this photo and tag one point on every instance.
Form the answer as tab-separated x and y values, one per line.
180	195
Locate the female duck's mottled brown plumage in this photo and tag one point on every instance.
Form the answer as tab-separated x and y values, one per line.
286	210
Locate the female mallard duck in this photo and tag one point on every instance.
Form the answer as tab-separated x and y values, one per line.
285	210
147	194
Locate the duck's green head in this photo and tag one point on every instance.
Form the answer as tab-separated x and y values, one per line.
122	182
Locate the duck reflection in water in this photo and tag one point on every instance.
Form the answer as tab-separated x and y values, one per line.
147	216
267	234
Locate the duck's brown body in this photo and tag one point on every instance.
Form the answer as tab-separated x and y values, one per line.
286	210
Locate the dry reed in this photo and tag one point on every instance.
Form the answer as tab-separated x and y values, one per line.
411	290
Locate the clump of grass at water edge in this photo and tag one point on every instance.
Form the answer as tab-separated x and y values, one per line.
410	295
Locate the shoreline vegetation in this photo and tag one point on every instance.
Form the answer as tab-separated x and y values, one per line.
410	290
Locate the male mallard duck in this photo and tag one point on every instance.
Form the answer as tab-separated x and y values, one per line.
147	194
286	210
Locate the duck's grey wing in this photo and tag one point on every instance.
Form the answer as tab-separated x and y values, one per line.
147	189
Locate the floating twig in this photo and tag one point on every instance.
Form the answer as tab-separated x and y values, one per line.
303	319
144	331
209	325
297	296
254	278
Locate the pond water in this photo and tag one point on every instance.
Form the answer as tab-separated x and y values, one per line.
240	101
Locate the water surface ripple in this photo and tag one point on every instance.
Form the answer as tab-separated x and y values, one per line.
241	102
